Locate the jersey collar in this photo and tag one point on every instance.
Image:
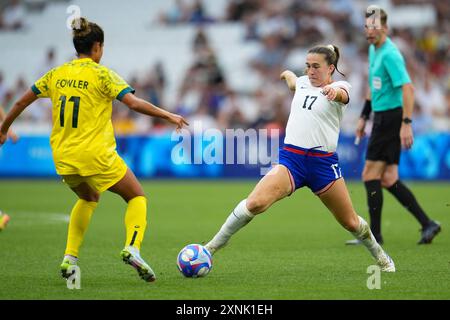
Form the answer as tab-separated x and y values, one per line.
83	60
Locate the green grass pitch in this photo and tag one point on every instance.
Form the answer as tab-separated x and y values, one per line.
293	251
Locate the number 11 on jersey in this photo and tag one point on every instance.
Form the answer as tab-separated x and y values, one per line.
76	108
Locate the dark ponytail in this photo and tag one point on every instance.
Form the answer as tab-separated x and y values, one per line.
85	34
331	53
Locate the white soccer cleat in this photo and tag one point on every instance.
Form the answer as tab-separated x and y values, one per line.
67	262
130	255
386	263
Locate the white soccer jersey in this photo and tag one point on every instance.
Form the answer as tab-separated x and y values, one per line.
314	121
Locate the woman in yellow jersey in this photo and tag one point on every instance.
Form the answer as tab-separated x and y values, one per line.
83	143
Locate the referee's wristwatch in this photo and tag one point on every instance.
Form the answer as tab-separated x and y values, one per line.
407	121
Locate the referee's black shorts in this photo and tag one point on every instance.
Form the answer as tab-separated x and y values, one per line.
384	142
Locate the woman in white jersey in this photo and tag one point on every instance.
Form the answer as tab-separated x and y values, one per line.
308	157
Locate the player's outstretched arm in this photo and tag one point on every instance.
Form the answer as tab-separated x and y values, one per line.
28	98
335	94
144	107
11	134
2	114
290	78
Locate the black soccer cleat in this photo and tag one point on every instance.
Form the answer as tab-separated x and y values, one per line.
429	232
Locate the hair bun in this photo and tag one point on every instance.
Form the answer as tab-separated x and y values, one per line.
80	27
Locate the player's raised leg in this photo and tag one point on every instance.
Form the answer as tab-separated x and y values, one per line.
79	221
131	191
272	187
338	201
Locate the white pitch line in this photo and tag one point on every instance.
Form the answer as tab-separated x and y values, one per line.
27	218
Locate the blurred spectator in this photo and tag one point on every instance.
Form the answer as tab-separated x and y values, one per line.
204	82
443	123
422	122
430	96
36	5
238	10
271	57
13	16
202	119
198	13
279	34
48	63
177	14
154	83
186	12
276	21
40	112
277	123
273	104
231	113
200	42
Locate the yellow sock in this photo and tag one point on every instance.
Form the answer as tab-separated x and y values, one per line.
136	221
79	221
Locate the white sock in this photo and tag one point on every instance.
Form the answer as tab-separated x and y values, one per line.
366	237
132	249
72	259
235	221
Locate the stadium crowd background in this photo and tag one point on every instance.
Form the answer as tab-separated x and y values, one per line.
219	61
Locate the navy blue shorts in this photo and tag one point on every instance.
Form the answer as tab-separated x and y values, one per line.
309	167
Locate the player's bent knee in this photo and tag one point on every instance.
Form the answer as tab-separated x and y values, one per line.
256	205
91	197
388	180
387	183
367	175
86	193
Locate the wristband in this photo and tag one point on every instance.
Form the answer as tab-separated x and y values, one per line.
365	114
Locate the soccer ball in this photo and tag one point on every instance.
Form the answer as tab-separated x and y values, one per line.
194	261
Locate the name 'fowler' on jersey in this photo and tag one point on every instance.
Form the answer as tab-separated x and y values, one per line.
72	83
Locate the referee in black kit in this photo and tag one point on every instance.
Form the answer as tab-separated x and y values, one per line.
391	97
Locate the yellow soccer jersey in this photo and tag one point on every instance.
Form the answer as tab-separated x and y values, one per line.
82	92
